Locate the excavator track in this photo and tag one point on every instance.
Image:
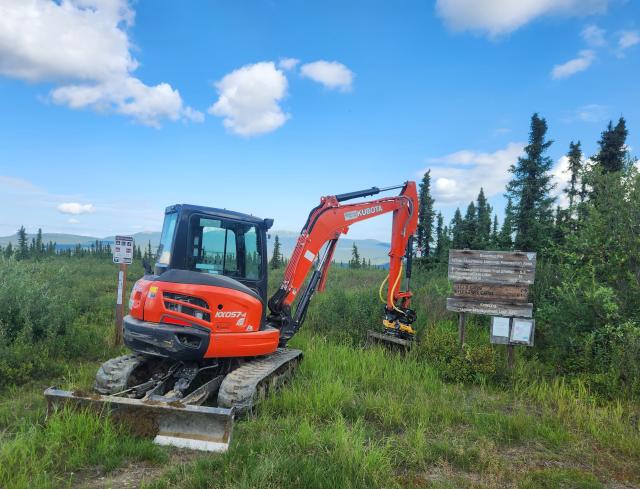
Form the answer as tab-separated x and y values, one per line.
245	386
113	375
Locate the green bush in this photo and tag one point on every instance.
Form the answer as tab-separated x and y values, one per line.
53	309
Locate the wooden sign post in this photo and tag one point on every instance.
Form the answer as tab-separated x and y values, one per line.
494	283
123	256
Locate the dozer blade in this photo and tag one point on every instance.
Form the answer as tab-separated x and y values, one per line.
174	423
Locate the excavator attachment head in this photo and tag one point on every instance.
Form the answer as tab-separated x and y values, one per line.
170	423
389	340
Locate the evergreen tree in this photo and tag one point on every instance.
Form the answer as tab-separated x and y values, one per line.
575	169
8	251
425	215
355	257
364	262
494	232
23	246
276	257
505	241
613	151
470	226
149	251
530	187
456	230
39	248
483	232
561	225
439	237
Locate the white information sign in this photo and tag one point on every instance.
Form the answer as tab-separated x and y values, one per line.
123	250
501	326
522	331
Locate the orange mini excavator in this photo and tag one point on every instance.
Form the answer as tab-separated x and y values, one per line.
206	342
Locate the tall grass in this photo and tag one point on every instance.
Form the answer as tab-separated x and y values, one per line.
357	417
44	456
437	416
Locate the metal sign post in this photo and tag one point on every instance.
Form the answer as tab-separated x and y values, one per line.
123	256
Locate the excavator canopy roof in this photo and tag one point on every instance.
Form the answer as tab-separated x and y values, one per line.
223	213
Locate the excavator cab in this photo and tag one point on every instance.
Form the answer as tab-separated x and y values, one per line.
215	242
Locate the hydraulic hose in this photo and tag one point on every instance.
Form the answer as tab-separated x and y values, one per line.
393	289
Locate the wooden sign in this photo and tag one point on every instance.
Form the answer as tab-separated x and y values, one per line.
490	307
492	267
509	293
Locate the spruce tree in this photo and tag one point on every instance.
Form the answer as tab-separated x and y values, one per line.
8	251
276	257
439	237
470	226
456	230
494	232
483	232
425	215
23	244
575	169
39	249
505	241
613	151
355	257
530	187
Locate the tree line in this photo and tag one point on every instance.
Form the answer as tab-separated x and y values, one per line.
587	287
532	220
36	248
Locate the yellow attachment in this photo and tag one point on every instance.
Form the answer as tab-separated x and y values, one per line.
405	328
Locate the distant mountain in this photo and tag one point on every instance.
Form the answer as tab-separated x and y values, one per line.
370	249
67	240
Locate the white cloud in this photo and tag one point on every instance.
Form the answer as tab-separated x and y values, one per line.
75	208
627	39
83	46
498	17
249	99
593	35
458	176
560	176
588	113
73	220
287	64
331	74
573	66
18	184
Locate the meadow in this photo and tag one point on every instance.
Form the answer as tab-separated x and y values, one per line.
353	416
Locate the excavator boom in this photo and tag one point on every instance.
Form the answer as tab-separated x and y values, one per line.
316	244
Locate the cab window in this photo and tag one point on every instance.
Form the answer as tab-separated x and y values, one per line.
224	247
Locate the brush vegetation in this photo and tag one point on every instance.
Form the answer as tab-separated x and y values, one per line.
438	416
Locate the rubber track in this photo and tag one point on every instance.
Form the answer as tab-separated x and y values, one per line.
113	374
239	389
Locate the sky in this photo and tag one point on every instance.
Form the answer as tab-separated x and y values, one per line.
112	110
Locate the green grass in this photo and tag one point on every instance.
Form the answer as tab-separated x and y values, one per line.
352	416
369	418
45	455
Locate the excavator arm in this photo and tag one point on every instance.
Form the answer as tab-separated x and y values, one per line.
317	242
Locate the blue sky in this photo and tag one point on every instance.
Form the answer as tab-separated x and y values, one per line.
112	110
